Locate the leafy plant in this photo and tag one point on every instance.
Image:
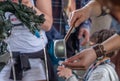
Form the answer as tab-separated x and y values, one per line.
25	14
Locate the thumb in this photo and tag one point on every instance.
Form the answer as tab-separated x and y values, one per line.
86	39
80	34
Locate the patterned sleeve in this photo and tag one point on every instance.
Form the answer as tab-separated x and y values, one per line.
72	78
99	74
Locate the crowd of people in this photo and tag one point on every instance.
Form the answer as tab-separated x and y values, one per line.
102	69
33	60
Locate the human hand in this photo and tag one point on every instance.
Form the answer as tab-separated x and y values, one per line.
84	32
79	16
64	72
71	6
82	60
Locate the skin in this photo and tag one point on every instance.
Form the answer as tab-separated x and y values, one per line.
41	9
85	58
80	15
83	31
81	60
64	72
46	9
71	7
67	72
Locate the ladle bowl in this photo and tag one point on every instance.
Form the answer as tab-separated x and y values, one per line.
60	45
60	48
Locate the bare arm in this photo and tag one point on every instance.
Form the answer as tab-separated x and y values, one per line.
93	8
88	56
45	7
42	7
112	43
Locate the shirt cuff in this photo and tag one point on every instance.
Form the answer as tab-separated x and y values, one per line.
72	78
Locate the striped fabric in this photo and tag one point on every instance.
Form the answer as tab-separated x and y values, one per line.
58	19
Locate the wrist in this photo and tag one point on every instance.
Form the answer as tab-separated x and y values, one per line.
95	7
99	50
68	76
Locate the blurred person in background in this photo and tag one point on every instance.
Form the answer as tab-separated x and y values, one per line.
95	8
23	42
101	70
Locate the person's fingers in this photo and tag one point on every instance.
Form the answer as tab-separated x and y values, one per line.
72	19
84	42
86	38
60	68
81	32
78	21
82	60
84	32
75	65
59	74
72	59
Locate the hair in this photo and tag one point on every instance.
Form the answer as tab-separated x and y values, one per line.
102	35
106	2
115	2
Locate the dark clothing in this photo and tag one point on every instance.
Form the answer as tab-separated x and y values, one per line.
58	31
58	19
53	34
22	64
60	23
72	45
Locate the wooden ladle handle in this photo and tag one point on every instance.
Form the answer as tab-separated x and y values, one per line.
68	33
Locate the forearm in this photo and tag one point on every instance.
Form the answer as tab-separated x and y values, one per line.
94	8
112	43
43	8
46	9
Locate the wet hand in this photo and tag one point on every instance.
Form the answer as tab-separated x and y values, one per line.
82	60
